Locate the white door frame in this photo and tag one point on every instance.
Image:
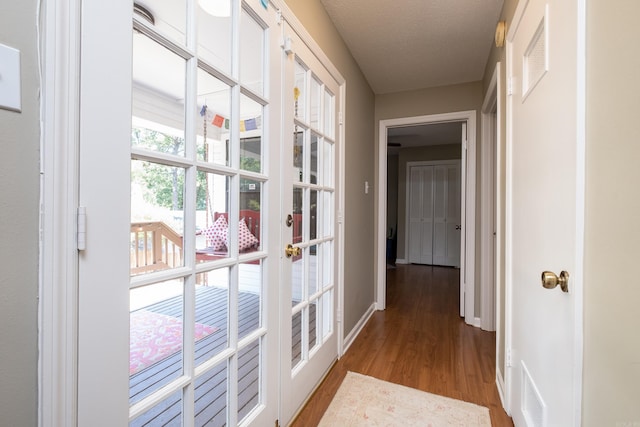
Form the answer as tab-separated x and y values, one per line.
468	196
489	203
58	275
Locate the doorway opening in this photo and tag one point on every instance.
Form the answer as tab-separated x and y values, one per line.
467	137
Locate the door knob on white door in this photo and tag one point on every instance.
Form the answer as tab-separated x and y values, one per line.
550	280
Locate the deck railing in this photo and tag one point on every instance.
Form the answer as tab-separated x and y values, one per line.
154	246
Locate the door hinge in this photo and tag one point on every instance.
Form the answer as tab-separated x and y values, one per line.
340	117
508	360
279	18
82	228
287	45
510	86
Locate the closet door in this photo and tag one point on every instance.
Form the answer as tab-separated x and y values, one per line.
446	223
434	214
421	214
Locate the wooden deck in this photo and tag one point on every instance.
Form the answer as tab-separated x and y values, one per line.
211	388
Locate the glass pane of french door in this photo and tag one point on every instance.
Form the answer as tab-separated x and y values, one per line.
198	321
309	195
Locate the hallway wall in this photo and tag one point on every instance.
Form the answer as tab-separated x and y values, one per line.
19	187
611	387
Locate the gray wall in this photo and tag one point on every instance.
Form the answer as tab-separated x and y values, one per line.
19	187
359	142
611	388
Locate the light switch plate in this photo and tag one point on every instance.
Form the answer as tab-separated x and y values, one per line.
10	78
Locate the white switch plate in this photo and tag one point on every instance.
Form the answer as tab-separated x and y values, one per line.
10	78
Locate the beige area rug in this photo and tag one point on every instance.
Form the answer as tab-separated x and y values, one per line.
368	401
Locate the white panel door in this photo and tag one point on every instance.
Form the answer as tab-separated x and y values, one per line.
421	214
434	214
309	286
446	216
545	212
177	322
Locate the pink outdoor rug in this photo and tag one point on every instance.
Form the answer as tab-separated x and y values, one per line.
155	336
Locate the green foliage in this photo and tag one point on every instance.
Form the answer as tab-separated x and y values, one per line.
165	184
250	164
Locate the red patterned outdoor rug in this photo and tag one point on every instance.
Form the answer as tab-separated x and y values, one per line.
155	336
367	401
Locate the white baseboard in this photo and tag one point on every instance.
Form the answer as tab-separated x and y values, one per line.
350	338
500	387
402	261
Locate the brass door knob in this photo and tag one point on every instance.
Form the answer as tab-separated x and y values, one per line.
550	280
291	250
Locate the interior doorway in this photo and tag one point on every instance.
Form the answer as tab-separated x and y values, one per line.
465	151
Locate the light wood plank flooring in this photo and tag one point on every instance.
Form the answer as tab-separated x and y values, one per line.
419	341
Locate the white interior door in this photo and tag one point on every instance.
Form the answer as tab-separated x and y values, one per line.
544	214
446	215
308	320
434	213
177	172
421	211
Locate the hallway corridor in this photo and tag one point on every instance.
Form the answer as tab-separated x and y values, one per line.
419	341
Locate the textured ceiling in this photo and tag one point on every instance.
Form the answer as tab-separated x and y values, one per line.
413	44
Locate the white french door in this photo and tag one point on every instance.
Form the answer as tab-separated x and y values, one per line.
179	279
308	321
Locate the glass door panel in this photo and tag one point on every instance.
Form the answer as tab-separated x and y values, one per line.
215	29
252	54
309	197
198	326
214	106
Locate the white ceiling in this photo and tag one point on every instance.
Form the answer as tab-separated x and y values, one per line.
413	44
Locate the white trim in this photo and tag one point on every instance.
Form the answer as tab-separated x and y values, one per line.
59	34
467	218
501	390
351	337
508	214
581	148
489	207
340	211
381	218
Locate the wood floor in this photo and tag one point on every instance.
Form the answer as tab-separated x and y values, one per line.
419	341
